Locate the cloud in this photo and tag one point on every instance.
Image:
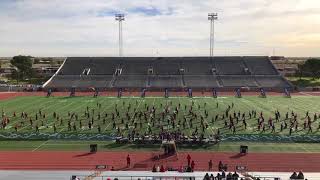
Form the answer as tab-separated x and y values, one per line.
148	11
159	27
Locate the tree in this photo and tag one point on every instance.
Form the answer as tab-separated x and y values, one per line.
36	61
300	71
313	66
23	65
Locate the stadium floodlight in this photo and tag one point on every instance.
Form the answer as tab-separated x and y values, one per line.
120	18
212	17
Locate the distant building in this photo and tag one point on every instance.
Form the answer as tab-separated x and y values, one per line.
45	70
286	66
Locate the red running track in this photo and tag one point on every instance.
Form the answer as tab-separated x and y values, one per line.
10	95
60	160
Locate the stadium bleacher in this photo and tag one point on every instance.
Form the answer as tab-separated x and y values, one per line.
136	66
166	66
201	81
197	65
130	81
64	81
272	81
229	65
168	72
99	81
79	81
172	81
260	65
103	66
238	81
74	66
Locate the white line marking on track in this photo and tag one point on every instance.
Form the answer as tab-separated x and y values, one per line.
305	93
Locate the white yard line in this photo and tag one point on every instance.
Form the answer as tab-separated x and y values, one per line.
135	110
154	99
107	126
40	146
187	121
205	120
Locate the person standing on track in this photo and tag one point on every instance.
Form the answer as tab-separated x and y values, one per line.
210	165
192	165
128	161
189	159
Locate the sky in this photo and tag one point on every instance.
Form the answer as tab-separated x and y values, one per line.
159	27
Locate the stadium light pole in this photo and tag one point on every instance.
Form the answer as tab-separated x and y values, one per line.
212	17
120	18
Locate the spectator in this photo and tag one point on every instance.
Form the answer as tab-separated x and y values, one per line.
189	169
211	177
235	175
154	168
294	176
223	174
219	177
229	176
158	168
206	177
300	175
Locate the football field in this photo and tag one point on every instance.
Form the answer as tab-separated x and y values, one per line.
42	135
110	115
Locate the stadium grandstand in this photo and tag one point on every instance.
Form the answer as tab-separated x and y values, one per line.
158	73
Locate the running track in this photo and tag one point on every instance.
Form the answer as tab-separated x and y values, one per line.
10	95
60	160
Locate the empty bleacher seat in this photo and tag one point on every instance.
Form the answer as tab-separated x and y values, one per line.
133	81
197	65
260	65
166	66
229	65
67	81
238	81
94	81
136	65
74	66
272	81
201	81
104	66
97	66
165	81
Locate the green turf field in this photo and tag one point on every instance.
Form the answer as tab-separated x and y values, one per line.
64	107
